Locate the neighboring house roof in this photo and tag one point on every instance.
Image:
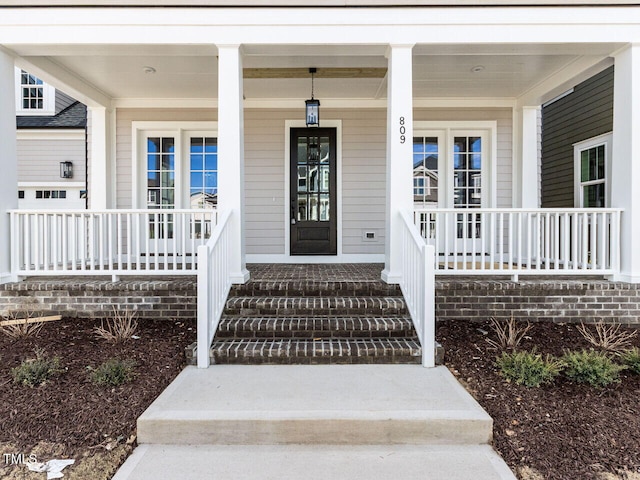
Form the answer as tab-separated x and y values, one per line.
73	116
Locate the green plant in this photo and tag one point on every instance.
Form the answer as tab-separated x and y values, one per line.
610	337
509	333
529	368
119	328
591	367
113	372
631	358
35	371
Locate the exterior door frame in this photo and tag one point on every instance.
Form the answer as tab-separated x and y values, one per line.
289	124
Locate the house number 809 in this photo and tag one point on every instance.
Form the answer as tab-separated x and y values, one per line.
403	130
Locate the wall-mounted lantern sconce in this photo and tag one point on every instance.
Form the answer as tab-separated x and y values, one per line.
312	106
66	170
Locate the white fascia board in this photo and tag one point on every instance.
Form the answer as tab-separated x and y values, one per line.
57	76
50	134
350	26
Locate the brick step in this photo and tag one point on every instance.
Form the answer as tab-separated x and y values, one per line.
325	351
313	288
315	327
311	306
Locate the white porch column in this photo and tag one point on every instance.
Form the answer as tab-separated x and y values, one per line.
399	154
525	157
101	175
9	162
231	153
625	165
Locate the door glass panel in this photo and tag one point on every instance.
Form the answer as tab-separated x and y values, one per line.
324	207
302	213
467	183
425	170
313	167
161	172
203	175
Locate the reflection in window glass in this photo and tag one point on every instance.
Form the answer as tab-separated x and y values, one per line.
203	172
425	170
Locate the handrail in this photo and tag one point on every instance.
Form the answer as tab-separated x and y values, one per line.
418	286
214	284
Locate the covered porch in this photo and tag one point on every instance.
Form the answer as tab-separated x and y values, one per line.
200	159
381	96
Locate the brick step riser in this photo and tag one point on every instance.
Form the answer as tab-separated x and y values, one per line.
311	311
292	291
309	334
344	360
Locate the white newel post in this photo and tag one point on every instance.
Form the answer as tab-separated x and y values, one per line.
526	157
399	154
8	161
100	169
231	154
625	165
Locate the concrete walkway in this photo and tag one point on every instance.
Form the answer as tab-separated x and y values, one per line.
314	421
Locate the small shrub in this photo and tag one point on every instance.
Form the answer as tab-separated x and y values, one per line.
592	367
119	328
609	337
26	326
35	371
509	333
113	372
528	368
631	358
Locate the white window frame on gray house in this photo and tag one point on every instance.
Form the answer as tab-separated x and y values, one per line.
44	90
602	144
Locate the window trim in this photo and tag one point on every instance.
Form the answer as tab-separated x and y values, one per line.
447	130
605	139
140	130
48	97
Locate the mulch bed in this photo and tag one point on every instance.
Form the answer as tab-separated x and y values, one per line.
564	430
69	410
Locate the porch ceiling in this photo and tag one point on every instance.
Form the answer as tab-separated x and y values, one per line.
190	71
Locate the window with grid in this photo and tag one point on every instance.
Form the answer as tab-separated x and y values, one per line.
203	188
32	91
425	170
592	176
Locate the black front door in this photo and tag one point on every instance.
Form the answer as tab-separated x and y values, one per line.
313	191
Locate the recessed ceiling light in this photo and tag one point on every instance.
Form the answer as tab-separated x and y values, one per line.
148	69
477	69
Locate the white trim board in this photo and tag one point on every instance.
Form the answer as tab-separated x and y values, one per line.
318	259
50	134
288	125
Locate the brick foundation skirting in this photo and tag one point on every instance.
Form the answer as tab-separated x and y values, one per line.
166	298
545	299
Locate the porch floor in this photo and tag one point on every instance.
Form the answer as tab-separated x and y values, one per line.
318	421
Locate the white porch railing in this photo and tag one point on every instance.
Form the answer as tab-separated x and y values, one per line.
418	287
523	241
108	242
214	283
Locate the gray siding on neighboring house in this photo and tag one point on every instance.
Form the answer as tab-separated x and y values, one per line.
39	160
583	114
